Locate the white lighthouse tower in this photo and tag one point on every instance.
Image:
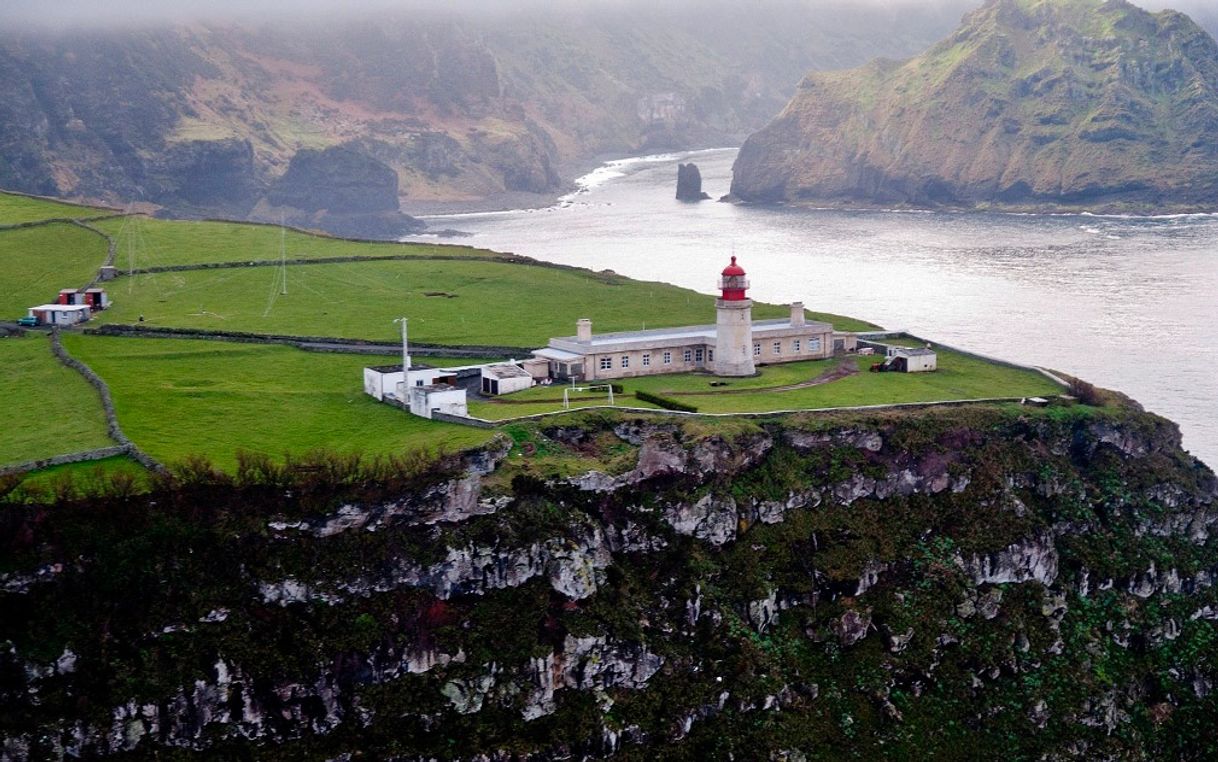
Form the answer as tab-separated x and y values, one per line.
734	324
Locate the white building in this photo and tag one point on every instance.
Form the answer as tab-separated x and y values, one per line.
60	314
734	346
425	401
505	379
912	359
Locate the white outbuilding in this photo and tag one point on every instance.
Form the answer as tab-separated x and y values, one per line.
60	314
426	401
912	360
505	379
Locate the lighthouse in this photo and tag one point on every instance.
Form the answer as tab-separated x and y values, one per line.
734	324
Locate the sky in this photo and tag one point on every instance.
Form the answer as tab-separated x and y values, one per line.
18	14
115	13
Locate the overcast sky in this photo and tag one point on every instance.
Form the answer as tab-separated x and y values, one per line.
120	13
125	12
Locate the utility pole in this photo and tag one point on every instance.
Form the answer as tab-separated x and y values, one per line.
283	254
405	346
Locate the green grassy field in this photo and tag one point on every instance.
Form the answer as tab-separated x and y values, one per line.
147	242
496	303
36	262
15	209
959	377
49	409
177	398
87	477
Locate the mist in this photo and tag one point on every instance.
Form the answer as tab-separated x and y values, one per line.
77	14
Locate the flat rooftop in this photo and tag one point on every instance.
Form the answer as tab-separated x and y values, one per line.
692	334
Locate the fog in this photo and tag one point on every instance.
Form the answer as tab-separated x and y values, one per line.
17	14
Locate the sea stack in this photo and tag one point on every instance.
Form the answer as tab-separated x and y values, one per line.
689	183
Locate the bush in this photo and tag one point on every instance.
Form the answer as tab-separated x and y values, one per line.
1086	393
667	403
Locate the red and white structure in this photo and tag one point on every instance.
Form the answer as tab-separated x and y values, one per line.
734	346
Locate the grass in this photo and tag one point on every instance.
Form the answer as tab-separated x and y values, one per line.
49	409
959	377
15	209
147	242
85	476
495	303
35	263
177	398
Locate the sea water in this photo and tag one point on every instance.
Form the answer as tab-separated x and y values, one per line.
1129	303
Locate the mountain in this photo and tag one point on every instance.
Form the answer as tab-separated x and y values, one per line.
1030	104
1015	582
204	118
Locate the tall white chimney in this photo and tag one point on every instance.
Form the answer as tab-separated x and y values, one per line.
797	314
583	330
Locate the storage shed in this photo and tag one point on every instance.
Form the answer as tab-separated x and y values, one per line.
912	360
505	379
426	401
60	314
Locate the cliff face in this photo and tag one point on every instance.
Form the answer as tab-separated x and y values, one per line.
1030	103
1040	583
204	118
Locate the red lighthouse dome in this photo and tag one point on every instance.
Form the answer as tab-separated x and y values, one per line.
733	284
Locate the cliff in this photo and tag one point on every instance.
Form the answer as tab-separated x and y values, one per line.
1030	104
1020	583
203	118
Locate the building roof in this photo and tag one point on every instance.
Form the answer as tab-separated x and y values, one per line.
670	338
733	268
62	307
505	371
560	355
914	351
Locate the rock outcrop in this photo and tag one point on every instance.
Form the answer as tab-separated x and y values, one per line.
689	183
915	581
1032	104
342	190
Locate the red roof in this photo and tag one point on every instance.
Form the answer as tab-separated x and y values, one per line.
733	269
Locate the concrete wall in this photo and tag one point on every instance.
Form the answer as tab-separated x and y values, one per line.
424	402
734	355
823	343
656	367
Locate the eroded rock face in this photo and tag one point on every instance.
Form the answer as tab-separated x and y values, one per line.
465	600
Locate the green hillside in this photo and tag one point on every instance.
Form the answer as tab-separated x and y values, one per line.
16	209
49	409
182	398
37	262
1030	103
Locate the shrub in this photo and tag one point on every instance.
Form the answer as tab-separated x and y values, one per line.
1086	393
667	403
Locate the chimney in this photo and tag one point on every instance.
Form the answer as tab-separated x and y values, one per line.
797	314
583	330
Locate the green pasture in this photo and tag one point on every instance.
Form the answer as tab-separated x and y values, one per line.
177	398
959	377
15	209
148	242
35	263
49	409
89	477
450	302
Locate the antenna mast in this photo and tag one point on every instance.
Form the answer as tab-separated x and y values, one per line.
283	255
405	346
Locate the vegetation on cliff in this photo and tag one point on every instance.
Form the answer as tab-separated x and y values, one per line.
1010	582
1030	103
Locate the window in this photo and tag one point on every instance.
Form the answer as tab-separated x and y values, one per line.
710	355
625	361
756	350
606	363
687	356
646	359
814	345
778	347
668	358
698	354
795	346
418	382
